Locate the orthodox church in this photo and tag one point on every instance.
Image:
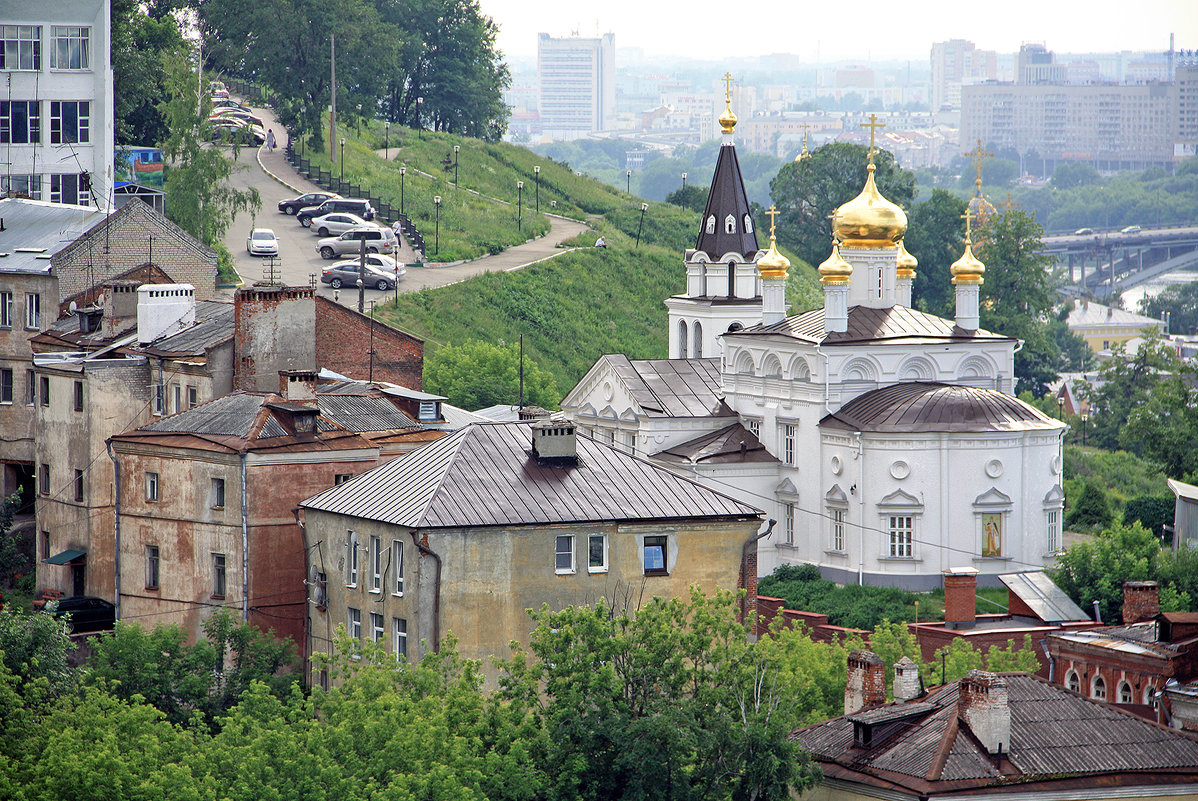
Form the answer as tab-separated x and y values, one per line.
883	440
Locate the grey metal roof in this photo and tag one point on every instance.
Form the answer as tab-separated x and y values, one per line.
727	196
1043	596
230	415
34	230
363	412
1056	735
866	324
485	475
214	326
925	406
672	387
732	444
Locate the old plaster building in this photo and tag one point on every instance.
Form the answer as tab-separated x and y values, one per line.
883	439
463	536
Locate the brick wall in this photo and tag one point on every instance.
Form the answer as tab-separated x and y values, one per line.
343	338
273	328
768	609
1141	601
866	684
960	606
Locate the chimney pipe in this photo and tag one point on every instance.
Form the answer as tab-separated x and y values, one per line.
960	592
866	685
1141	601
983	704
906	679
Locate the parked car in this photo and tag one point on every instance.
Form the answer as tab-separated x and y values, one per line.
1083	232
385	263
293	205
346	273
226	102
237	131
87	612
362	208
378	240
262	242
1131	229
337	224
236	114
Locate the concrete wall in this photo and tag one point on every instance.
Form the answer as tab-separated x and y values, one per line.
17	418
274	331
343	340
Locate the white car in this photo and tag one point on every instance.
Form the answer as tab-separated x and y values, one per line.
337	223
376	260
262	242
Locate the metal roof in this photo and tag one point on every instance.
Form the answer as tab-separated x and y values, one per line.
485	475
230	415
925	406
732	444
1043	596
727	197
213	326
866	324
672	387
1088	313
34	230
363	412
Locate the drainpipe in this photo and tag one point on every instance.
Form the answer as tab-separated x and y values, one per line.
116	548
744	557
1052	665
860	457
826	382
425	550
245	548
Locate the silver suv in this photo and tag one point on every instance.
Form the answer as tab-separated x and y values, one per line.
378	240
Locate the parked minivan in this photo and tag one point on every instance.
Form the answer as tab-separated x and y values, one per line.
378	240
362	208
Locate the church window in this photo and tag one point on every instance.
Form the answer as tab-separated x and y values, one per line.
788	518
788	444
697	341
711	225
748	224
729	225
1053	524
682	339
1098	689
992	534
1146	698
1125	695
754	427
901	531
837	516
1073	682
731	279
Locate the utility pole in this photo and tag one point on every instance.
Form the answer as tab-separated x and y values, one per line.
333	107
362	276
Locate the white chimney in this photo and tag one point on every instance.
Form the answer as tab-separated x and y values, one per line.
906	679
983	704
164	309
554	440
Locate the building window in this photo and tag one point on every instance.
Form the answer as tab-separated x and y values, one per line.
193	397
429	410
20	122
30	388
401	638
341	478
682	328
1146	697
159	399
45	541
70	47
376	627
564	556
33	312
22	48
597	553
151	567
1098	689
754	427
1053	524
355	623
655	556
43	479
837	516
44	383
65	188
322	591
697	341
151	486
397	566
177	396
351	559
376	564
1125	694
216	493
992	534
29	186
788	444
1073	682
6	385
788	520
5	310
78	396
79	486
70	122
900	536
218	575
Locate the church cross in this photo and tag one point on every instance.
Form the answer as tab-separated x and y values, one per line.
772	213
979	155
873	126
968	218
1010	204
727	79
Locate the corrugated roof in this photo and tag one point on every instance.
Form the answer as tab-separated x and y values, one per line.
363	412
727	197
34	230
1088	313
485	475
672	387
866	324
1043	596
925	406
230	415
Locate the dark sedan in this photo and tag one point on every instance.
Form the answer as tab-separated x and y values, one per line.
293	205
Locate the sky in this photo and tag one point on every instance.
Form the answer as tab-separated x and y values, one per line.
707	29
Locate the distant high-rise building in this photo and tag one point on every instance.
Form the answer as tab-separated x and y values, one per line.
958	62
577	85
1037	64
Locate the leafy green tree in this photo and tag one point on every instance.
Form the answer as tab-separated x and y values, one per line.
1165	427
141	37
1125	382
891	642
955	660
690	197
477	374
807	192
36	647
1178	570
1180	302
811	674
1074	174
1013	658
1092	508
935	236
1094	570
14	559
1151	511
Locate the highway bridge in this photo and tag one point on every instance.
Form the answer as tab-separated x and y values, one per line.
1100	260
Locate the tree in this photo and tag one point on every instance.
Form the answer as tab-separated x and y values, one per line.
140	40
1125	382
1013	658
1165	428
1074	174
36	647
477	374
1179	302
1150	511
1094	570
935	237
14	559
1092	508
690	197
807	192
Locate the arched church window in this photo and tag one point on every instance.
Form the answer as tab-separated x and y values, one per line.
731	279
732	329
1125	695
711	225
697	341
682	339
748	224
730	224
1072	681
1098	689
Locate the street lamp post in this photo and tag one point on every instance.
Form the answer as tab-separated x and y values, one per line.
628	181
419	109
359	120
536	171
342	160
402	172
456	148
437	204
644	208
520	206
684	181
1085	417
387	141
1060	408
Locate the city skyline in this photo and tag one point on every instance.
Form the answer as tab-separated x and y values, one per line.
819	34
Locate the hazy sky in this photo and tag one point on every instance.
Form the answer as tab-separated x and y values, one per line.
854	30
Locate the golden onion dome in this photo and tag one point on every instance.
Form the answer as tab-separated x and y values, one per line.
727	119
981	208
967	269
869	220
773	265
835	270
906	262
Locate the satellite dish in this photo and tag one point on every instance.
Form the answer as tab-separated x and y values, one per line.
72	308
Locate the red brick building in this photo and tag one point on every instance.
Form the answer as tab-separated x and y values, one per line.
356	345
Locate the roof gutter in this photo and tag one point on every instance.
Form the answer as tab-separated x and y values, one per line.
422	546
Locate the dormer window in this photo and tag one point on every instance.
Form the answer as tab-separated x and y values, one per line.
711	224
730	224
748	224
305	423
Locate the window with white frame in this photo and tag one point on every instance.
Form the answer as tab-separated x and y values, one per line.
6	385
351	559
70	122
697	340
1098	689
1052	523
354	623
21	47
177	394
20	122
193	397
754	427
376	627
151	486
400	627
837	516
564	554
5	309
902	530
218	575
70	47
151	567
788	444
597	553
788	523
66	188
397	567
376	564
159	399
29	186
1073	681
1125	694
33	311
341	478
682	329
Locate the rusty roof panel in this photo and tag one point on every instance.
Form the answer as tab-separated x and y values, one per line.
230	415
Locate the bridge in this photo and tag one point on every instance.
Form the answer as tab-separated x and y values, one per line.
1102	262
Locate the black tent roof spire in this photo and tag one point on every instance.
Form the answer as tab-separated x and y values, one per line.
726	226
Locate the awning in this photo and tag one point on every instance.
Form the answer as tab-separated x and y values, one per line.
65	557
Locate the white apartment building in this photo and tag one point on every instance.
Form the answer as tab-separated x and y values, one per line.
958	62
56	107
577	78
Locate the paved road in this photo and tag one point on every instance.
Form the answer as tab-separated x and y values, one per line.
298	260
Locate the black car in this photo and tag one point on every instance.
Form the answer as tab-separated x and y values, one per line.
87	612
293	205
344	205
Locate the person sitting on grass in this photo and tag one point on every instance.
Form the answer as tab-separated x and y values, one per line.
601	243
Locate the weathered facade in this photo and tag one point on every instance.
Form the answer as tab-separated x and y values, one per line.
354	344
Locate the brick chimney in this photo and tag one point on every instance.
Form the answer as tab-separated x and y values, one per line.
297	384
982	703
866	686
960	591
1141	601
906	679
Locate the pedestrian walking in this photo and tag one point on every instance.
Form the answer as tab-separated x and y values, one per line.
270	139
